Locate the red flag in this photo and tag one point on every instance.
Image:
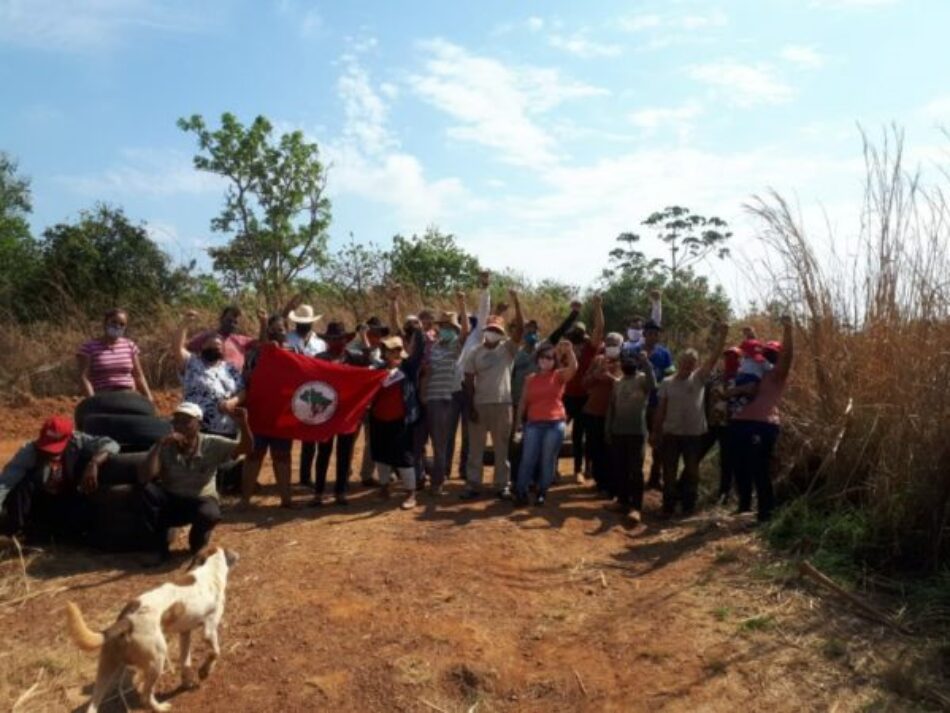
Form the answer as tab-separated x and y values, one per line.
307	399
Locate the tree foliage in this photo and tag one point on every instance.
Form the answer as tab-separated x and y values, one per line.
275	207
689	239
18	249
354	272
103	260
433	263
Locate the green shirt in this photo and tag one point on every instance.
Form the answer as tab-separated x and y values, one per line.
628	405
193	476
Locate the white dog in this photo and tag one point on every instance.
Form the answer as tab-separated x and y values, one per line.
137	638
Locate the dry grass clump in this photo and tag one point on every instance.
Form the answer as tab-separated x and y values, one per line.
868	414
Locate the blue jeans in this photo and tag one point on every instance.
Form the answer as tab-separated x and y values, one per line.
541	444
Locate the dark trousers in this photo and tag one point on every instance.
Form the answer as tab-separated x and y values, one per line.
164	510
752	445
308	450
420	437
33	511
461	401
719	435
684	488
344	459
574	406
596	447
626	468
656	462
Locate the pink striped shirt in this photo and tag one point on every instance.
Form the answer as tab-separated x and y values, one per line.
110	365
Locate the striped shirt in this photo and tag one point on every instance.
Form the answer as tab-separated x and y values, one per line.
110	365
442	379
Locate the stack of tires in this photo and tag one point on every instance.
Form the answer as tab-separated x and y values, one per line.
115	508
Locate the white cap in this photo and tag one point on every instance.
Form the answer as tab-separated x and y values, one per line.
304	315
189	409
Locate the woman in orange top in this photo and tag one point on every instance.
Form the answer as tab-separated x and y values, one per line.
541	409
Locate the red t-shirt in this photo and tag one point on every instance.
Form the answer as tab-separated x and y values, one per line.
236	346
389	404
575	387
544	394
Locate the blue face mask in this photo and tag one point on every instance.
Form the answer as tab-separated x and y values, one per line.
531	338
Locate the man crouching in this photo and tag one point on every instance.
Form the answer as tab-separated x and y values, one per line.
179	478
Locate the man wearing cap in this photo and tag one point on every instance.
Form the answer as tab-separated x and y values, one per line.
439	387
179	478
336	338
662	362
45	472
488	383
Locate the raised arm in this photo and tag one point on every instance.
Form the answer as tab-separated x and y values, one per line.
484	301
566	351
291	305
261	326
597	337
180	345
722	331
784	365
656	306
562	328
463	316
517	327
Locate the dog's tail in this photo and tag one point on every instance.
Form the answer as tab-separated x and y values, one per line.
84	637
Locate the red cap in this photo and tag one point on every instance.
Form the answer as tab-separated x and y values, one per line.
773	347
752	348
496	323
54	435
735	351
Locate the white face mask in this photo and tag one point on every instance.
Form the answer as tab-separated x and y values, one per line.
634	334
492	337
612	352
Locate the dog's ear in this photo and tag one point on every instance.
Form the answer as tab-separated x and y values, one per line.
231	557
202	556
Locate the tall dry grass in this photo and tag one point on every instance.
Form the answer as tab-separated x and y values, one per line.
868	415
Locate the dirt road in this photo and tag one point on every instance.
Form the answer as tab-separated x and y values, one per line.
463	607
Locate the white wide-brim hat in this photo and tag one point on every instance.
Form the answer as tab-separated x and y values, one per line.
304	315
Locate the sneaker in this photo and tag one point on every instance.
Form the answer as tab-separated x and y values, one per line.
470	494
409	503
437	491
504	493
540	499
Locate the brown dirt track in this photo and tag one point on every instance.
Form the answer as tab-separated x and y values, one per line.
465	607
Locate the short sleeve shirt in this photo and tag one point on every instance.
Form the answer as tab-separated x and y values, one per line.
492	370
194	476
110	365
685	405
206	385
544	394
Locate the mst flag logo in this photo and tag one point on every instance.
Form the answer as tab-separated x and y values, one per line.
315	402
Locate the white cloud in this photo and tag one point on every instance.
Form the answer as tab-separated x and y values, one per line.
802	56
936	111
672	21
535	24
743	84
581	46
637	23
151	173
495	103
363	109
64	25
679	119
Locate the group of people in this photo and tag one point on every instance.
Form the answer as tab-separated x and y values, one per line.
487	375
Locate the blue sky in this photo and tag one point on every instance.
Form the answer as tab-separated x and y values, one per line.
536	132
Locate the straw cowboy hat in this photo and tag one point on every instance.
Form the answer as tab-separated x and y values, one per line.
449	319
304	315
390	343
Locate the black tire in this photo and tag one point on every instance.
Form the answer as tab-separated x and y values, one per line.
122	469
133	433
127	403
117	523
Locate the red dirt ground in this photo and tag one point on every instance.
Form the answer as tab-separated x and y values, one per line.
462	607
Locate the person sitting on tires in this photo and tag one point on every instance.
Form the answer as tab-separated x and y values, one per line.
41	487
111	362
179	478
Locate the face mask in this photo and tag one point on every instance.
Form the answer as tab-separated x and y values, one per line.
634	334
492	337
447	335
531	338
629	369
227	326
612	352
114	331
546	363
211	355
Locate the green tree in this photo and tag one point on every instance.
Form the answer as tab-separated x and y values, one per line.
433	263
102	261
354	272
689	239
18	249
274	209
